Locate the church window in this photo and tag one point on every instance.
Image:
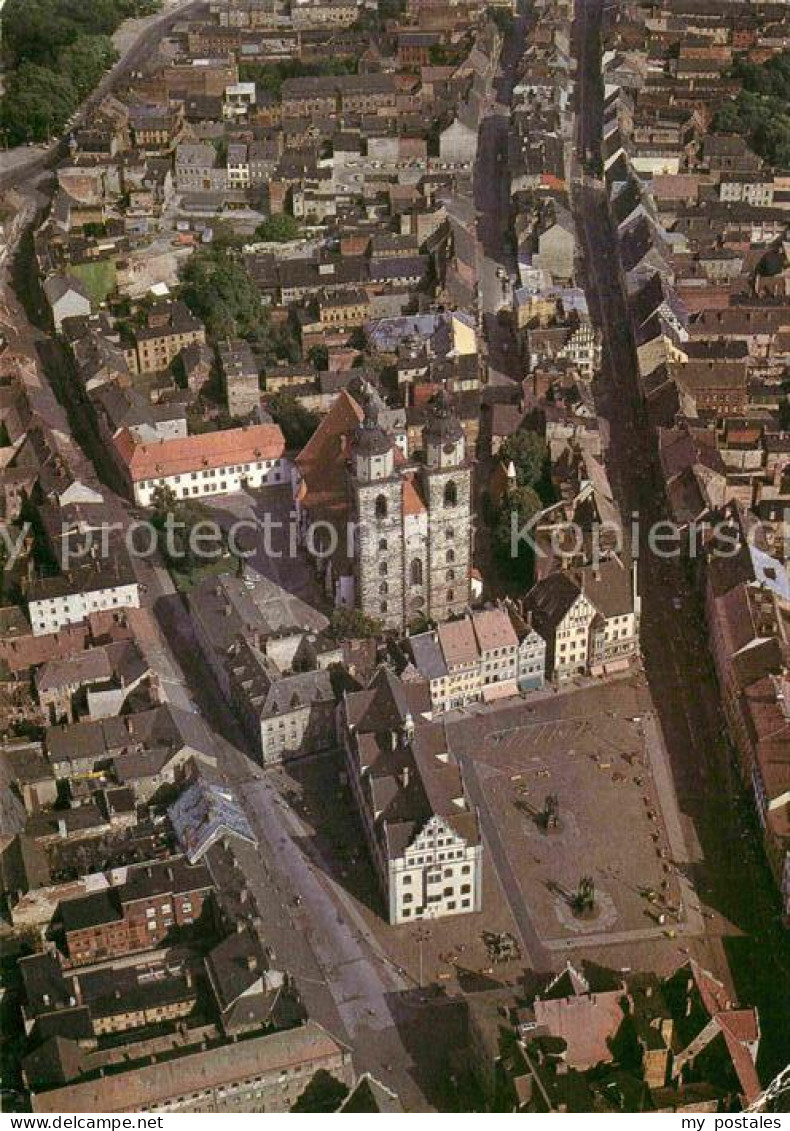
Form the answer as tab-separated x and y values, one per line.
381	506
451	575
450	594
383	588
416	572
450	556
383	606
383	568
383	545
450	494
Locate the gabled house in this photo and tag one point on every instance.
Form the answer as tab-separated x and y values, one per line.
422	832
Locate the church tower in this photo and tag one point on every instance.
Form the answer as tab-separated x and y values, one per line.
447	489
377	492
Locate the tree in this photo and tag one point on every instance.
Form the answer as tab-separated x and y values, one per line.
220	291
517	508
86	60
278	228
297	422
174	520
36	103
319	356
528	452
351	624
324	1093
57	51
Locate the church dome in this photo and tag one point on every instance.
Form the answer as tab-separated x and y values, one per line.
442	424
369	437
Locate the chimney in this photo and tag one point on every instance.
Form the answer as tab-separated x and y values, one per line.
252	962
77	988
404	777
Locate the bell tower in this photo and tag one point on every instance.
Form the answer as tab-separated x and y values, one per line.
447	487
377	492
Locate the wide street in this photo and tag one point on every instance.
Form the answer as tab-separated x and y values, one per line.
731	875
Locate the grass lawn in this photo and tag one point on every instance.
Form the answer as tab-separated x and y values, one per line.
99	278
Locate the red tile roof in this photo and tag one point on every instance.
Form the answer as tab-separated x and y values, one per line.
322	462
192	453
412	503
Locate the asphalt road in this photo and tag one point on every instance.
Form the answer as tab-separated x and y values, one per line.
497	268
731	875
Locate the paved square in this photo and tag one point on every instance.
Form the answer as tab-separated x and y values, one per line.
592	751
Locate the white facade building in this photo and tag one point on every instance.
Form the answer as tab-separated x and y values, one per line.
422	833
55	602
216	463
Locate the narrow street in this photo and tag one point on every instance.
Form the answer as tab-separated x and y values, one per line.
730	874
496	266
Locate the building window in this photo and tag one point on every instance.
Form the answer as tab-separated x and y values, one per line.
450	594
382	545
381	506
416	572
450	494
383	588
450	556
383	569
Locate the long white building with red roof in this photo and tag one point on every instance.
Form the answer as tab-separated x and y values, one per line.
213	463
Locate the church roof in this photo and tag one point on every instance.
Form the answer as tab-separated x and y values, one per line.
412	501
322	461
442	423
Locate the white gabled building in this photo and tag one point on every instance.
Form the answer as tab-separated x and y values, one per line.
589	618
422	832
487	655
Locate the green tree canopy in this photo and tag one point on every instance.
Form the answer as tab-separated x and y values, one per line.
86	60
219	290
36	103
761	110
56	51
297	422
517	508
278	228
528	452
351	624
174	520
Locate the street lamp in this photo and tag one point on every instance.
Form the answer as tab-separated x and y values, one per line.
421	935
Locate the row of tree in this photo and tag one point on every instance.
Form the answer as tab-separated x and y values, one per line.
55	52
761	110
